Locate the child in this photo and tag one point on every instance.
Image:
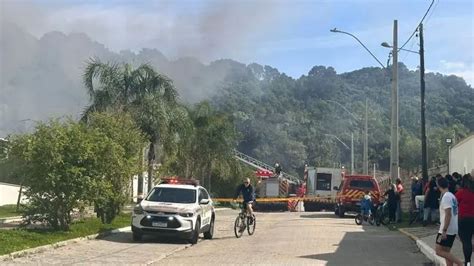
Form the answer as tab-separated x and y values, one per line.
366	204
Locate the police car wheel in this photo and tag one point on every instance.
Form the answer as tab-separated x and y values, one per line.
194	239
209	234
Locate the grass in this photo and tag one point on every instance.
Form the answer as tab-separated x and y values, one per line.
19	239
8	211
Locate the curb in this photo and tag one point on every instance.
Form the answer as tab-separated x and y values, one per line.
425	249
410	235
12	219
30	251
430	253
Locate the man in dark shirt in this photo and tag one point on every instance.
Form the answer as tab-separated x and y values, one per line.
248	194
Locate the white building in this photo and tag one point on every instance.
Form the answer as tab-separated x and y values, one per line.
461	156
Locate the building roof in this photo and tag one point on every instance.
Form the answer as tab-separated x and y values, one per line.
466	139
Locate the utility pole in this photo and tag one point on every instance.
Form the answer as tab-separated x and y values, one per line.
424	157
394	125
352	153
366	146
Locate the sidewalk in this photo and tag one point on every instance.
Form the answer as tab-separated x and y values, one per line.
425	240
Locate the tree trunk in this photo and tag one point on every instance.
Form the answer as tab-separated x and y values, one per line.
19	198
131	189
151	162
209	173
186	171
140	175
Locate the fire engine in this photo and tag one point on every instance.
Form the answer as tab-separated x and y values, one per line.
320	191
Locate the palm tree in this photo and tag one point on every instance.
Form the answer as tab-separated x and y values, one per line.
149	96
214	139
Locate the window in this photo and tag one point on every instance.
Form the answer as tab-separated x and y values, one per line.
203	194
174	195
323	181
362	184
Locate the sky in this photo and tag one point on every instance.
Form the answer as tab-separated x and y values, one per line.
292	35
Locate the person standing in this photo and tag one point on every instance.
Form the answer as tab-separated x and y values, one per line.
465	197
431	201
399	192
416	190
305	173
278	169
391	202
448	229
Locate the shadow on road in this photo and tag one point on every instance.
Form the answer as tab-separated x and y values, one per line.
330	215
126	237
223	238
372	247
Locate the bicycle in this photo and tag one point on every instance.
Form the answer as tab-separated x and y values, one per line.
360	218
243	221
381	214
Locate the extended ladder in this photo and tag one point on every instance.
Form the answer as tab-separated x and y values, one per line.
261	165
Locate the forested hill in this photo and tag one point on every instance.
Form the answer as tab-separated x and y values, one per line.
292	120
279	117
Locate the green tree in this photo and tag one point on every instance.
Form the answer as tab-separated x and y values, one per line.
67	164
148	95
204	148
53	161
113	184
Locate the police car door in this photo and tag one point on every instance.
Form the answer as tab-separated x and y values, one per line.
206	210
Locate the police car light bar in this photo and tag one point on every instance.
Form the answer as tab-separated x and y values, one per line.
179	181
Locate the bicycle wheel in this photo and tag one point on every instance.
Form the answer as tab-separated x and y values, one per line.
358	219
371	219
239	226
251	226
378	216
385	220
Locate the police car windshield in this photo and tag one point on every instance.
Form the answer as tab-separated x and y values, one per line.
172	195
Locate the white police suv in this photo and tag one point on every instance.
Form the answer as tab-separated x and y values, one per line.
177	208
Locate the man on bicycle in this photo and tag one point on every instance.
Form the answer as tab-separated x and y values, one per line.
248	194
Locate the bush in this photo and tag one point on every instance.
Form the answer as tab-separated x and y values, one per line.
68	164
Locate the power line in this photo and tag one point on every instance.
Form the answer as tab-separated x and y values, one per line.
431	14
413	34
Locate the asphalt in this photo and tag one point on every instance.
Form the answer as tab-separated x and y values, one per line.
280	239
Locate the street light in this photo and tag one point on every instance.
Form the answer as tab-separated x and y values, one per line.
394	160
366	150
357	39
424	153
347	147
449	142
386	45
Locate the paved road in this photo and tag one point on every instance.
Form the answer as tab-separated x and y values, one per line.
280	238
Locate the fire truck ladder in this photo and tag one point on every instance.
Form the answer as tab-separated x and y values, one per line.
261	165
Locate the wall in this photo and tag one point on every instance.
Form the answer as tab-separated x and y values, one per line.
9	194
461	156
145	186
